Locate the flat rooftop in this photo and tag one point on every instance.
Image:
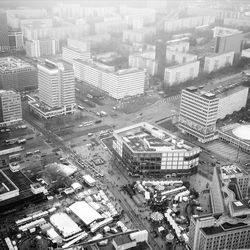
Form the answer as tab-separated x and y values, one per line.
6	185
221	91
19	179
140	246
223	228
237	131
231	171
146	137
107	68
10	64
7	92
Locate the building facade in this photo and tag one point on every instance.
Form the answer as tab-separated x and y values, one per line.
181	73
117	84
227	40
17	74
69	54
187	23
217	61
200	109
10	107
228	227
40	48
198	114
179	57
146	149
4	39
60	32
232	99
56	84
178	45
145	60
16	40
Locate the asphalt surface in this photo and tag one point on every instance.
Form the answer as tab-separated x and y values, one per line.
85	165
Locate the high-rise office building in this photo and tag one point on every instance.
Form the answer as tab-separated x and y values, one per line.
10	107
4	39
56	85
198	113
200	109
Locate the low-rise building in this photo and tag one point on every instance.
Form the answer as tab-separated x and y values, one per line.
10	107
147	149
236	134
217	61
181	73
116	83
17	74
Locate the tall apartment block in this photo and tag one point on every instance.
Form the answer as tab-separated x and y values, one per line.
56	87
228	227
16	40
4	39
43	47
227	40
200	109
10	107
17	74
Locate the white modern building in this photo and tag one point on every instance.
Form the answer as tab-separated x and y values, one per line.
217	61
181	72
69	54
10	107
43	47
145	149
56	87
232	99
145	60
118	84
200	109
